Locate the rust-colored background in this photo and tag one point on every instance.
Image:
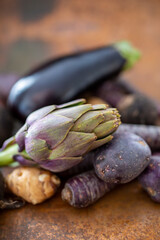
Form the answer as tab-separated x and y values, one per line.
33	31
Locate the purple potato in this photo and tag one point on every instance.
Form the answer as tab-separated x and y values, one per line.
151	134
119	87
123	159
134	109
150	179
132	105
85	189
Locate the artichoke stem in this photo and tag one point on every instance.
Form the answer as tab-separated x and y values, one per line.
6	156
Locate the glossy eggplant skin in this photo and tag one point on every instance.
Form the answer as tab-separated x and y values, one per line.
62	79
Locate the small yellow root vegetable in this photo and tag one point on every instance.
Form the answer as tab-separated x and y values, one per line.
32	184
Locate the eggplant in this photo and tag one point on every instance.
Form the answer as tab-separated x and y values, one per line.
61	80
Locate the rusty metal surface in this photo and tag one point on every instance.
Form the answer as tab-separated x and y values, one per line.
29	35
125	213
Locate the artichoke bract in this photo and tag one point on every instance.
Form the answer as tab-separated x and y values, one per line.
57	137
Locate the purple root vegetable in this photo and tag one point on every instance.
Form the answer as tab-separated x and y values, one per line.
119	87
85	165
85	189
151	134
123	159
132	105
134	108
150	179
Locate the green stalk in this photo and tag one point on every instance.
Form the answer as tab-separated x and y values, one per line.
6	156
131	54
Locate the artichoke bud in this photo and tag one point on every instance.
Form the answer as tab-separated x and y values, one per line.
57	137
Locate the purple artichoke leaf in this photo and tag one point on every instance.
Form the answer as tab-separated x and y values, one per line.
10	141
88	122
37	149
20	137
52	130
100	142
99	107
60	164
74	112
76	144
40	113
72	103
24	161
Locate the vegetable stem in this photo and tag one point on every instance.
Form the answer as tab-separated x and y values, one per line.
6	156
131	54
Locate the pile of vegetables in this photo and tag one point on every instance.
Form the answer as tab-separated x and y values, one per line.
81	143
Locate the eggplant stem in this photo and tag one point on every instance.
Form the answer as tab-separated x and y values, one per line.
131	54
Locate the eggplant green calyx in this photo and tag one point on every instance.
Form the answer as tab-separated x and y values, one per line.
131	54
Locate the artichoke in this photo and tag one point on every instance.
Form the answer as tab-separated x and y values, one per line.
57	137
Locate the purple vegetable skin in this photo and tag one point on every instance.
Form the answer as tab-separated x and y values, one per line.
85	165
132	105
85	189
65	78
123	159
61	80
119	87
151	134
150	179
